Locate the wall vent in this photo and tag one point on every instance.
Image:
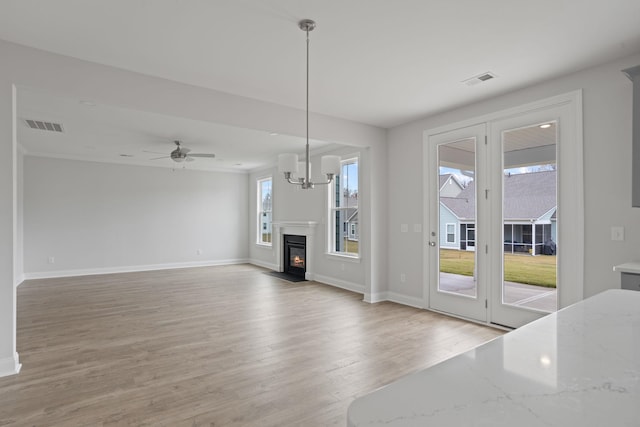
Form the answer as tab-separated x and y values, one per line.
42	125
479	79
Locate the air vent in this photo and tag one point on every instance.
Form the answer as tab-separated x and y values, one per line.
41	125
479	79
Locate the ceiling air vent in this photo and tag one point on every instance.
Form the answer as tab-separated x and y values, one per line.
41	125
479	79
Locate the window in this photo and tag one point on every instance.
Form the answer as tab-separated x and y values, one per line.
343	211
265	202
451	233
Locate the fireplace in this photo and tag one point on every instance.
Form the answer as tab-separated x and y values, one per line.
295	254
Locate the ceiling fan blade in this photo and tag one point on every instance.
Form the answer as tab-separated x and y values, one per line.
184	150
211	156
189	159
152	152
158	158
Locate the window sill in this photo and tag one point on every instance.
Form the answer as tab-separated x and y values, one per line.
265	245
343	257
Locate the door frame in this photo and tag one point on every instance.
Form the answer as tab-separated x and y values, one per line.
570	188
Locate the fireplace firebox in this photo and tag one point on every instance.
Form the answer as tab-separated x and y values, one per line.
295	254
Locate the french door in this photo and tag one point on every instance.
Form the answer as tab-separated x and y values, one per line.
498	248
457	160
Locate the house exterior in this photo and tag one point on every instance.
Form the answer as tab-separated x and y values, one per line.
349	217
266	214
352	225
450	186
529	214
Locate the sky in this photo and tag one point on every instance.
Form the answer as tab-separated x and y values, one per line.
465	179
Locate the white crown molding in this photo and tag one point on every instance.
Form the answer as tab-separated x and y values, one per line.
134	163
22	149
302	155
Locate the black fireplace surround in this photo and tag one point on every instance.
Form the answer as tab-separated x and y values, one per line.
295	254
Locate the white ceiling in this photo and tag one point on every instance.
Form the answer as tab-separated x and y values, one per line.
377	62
116	135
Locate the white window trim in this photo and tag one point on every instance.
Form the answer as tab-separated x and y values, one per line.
259	211
446	232
331	253
338	256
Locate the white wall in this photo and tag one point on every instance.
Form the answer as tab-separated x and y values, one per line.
9	360
28	67
19	260
607	182
95	217
290	203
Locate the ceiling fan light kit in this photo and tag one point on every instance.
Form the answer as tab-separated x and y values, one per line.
182	154
288	163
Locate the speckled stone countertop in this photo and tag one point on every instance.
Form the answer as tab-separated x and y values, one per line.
577	367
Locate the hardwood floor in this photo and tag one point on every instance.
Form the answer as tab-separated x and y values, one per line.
211	346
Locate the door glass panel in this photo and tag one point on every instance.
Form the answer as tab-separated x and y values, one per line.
529	206
457	217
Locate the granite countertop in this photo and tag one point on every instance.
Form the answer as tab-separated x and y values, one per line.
577	367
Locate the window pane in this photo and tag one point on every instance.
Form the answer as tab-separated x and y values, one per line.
457	210
529	204
265	202
344	211
451	236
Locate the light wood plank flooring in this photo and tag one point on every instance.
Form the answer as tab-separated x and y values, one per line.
211	346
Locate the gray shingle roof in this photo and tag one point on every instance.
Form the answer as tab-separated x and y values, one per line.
526	196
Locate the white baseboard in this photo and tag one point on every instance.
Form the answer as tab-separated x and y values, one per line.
375	297
19	280
10	365
338	283
130	269
405	300
393	297
263	264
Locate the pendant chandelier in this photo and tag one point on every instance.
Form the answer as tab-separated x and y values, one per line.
288	163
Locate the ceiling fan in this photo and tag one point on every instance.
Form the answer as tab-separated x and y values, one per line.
181	154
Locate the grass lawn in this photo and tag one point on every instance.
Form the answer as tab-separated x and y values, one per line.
351	246
532	270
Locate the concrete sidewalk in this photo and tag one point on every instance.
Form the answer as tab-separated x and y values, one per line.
518	294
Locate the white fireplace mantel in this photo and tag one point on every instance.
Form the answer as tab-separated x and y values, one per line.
297	228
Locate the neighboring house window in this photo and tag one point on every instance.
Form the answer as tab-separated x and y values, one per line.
265	203
343	211
451	233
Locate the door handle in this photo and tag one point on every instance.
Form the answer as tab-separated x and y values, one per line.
432	243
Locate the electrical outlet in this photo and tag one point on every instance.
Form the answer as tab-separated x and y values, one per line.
52	260
403	277
417	228
404	228
199	252
617	233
